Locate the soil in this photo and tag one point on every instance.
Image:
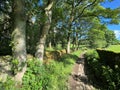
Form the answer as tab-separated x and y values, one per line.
78	80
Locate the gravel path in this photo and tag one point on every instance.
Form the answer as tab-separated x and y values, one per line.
78	80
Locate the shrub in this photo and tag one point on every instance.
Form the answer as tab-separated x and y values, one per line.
52	76
109	77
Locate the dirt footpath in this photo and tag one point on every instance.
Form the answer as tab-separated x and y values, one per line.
78	80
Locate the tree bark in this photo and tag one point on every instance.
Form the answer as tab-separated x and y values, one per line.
19	37
70	31
41	44
50	44
68	43
76	42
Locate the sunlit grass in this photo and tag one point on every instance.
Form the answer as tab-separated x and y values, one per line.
77	53
115	48
58	47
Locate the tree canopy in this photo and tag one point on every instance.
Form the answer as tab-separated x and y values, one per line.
31	26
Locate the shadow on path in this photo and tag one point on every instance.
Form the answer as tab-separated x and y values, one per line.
78	79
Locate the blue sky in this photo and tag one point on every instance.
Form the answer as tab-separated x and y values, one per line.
114	4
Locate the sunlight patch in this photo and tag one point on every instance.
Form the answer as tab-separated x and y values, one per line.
117	34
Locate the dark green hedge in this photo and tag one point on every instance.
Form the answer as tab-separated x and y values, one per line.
109	57
104	69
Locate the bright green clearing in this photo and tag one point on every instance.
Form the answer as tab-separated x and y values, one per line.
115	48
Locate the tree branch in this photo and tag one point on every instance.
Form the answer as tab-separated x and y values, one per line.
78	3
49	5
84	9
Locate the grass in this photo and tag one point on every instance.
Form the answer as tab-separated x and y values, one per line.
58	47
52	76
55	74
115	48
77	53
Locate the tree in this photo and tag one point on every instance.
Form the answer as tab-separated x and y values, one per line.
74	10
19	37
44	30
110	37
99	13
96	38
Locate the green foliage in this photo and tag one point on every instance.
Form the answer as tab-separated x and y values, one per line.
100	72
58	13
32	77
61	13
91	54
8	85
14	65
96	38
110	37
52	76
58	47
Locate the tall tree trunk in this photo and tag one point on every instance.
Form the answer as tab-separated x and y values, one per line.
18	37
70	32
41	44
76	42
68	43
50	44
49	40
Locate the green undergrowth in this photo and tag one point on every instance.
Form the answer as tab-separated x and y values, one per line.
102	75
58	47
51	76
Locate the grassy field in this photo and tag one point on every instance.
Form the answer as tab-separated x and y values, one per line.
115	48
